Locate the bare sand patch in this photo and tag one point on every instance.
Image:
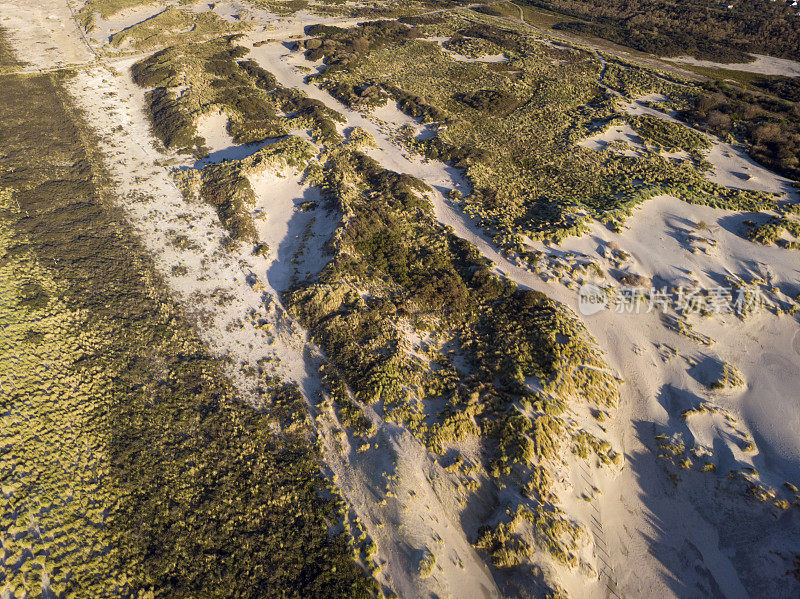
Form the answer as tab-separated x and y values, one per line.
44	34
763	65
615	135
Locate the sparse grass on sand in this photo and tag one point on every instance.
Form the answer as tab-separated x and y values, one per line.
132	468
106	8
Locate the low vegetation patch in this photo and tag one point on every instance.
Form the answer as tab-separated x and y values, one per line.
514	126
729	378
667	135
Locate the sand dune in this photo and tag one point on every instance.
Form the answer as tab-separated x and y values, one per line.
647	537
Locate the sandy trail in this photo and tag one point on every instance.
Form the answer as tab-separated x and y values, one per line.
763	65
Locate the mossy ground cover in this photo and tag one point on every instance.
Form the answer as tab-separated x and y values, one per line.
130	467
514	126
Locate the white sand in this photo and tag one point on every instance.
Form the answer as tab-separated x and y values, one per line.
213	128
763	65
618	133
647	539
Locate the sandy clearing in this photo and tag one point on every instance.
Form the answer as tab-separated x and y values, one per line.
682	532
734	168
213	128
295	237
763	65
618	133
44	34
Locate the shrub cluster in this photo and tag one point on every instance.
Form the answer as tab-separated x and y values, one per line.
770	127
704	29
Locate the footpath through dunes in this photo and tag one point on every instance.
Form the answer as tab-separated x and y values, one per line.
130	466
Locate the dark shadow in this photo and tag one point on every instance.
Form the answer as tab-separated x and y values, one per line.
737	224
237	152
707	370
279	279
675	401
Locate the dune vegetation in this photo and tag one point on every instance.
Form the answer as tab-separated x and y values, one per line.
219	79
414	322
131	467
489	115
448	424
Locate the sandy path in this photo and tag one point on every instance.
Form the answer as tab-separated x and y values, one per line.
763	65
